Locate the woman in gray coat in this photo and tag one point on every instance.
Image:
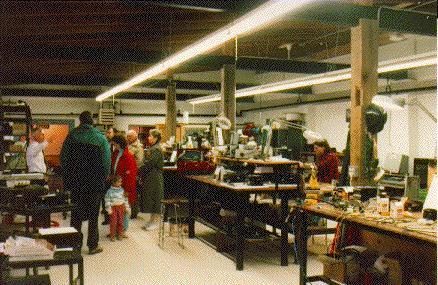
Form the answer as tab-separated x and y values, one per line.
151	180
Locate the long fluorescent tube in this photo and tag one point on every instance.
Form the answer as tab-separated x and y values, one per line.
425	59
257	18
388	103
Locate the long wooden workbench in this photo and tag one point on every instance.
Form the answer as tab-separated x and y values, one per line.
421	244
236	198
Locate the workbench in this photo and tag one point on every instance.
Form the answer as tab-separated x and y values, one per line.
424	244
235	197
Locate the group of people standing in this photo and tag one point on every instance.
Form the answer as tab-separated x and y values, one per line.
116	169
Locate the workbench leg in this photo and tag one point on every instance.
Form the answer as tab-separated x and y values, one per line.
240	240
301	238
284	245
27	225
191	217
81	272
70	274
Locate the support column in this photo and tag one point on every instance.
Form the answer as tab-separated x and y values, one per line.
228	93
170	107
364	60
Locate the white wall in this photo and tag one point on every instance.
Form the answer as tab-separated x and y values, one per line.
70	108
409	131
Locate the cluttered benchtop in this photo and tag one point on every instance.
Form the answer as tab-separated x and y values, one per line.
407	223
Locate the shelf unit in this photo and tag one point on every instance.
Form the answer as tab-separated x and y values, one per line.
16	121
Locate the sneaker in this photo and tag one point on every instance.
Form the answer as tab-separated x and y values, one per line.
145	227
150	227
95	250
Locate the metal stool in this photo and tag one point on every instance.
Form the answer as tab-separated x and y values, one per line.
176	203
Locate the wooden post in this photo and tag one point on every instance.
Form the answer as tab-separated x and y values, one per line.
170	107
364	60
228	93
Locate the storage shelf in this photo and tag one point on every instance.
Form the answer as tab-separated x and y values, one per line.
19	115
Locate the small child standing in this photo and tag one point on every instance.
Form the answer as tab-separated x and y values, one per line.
116	203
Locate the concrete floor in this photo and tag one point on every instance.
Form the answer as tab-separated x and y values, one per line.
138	260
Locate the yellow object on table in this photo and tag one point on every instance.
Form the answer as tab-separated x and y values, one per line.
313	181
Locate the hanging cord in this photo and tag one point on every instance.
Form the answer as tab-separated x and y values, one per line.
319	39
388	90
235	49
423	4
260	113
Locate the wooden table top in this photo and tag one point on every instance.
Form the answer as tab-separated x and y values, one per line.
241	187
381	224
261	162
170	168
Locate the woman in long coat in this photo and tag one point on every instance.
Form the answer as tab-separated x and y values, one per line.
151	177
123	164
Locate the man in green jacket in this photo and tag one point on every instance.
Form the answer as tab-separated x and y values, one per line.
86	163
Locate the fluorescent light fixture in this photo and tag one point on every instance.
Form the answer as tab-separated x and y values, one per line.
397	104
310	135
414	61
388	103
257	18
425	59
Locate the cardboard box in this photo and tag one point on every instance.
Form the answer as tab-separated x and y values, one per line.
333	268
394	271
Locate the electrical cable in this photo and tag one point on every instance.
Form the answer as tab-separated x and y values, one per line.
293	232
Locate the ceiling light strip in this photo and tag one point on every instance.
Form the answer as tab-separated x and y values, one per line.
257	18
425	59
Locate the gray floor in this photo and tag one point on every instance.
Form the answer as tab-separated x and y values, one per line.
138	260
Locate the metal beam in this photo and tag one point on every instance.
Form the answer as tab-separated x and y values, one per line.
97	54
407	21
79	53
99	82
266	64
209	5
340	13
88	94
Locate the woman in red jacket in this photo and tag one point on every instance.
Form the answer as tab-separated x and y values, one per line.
326	161
123	164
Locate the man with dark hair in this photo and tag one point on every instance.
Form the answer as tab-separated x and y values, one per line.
85	118
86	162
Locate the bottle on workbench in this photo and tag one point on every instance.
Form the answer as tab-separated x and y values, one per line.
383	204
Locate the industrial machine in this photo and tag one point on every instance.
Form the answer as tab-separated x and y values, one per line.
401	185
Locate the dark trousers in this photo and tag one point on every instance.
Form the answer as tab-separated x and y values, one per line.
102	200
92	215
104	211
134	209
